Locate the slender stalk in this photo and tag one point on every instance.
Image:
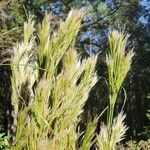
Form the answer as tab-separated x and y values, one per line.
110	112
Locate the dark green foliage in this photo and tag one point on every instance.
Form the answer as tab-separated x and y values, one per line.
4	144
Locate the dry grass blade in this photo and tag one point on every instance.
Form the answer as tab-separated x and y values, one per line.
88	138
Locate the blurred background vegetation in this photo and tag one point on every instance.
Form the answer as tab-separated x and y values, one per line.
131	15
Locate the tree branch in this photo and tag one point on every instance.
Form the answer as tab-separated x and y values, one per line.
94	8
65	4
97	45
109	14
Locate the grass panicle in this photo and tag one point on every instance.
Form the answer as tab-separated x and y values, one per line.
48	98
118	132
118	63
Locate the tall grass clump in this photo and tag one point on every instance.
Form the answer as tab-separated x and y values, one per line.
118	64
50	84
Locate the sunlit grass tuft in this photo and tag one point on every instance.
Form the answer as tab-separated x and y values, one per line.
50	85
118	64
117	134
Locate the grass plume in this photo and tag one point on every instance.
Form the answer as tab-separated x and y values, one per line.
118	64
48	97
